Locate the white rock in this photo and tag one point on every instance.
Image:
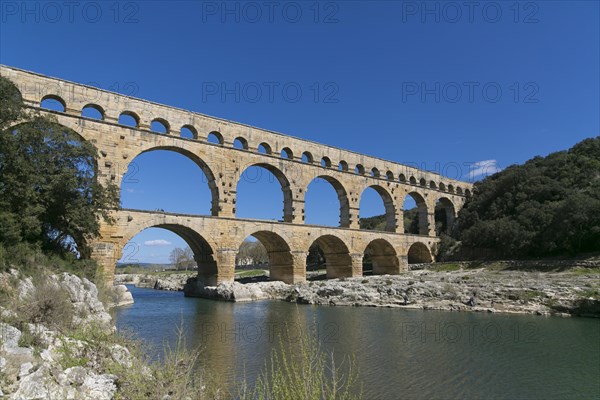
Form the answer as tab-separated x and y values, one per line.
9	337
40	385
46	355
25	369
123	296
121	355
99	387
74	376
25	288
84	295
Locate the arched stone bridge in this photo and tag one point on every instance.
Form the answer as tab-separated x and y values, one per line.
123	129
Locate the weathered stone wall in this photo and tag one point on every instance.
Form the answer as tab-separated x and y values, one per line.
224	165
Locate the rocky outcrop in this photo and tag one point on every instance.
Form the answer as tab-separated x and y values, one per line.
82	294
238	292
26	376
41	361
564	293
122	296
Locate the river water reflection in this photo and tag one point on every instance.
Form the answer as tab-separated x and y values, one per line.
399	353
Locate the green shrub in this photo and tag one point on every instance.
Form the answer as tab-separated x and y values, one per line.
71	355
526	295
30	339
593	293
586	271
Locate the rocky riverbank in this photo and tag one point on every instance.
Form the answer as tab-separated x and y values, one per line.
38	358
574	292
168	281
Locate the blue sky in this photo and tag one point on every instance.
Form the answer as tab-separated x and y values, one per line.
434	84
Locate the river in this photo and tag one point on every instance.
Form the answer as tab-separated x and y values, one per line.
399	353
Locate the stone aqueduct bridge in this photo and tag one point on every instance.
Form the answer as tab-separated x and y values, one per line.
216	239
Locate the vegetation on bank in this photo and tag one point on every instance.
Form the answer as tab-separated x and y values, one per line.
547	206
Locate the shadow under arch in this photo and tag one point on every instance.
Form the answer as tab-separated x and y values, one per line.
388	203
281	261
382	256
419	253
338	262
342	196
212	184
288	212
202	249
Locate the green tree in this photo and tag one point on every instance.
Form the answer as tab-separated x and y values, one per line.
11	104
49	195
549	205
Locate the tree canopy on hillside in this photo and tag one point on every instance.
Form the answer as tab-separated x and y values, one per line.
547	206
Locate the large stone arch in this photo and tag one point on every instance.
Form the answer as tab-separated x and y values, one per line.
422	210
204	249
388	203
288	209
210	176
342	195
338	261
419	253
383	256
281	260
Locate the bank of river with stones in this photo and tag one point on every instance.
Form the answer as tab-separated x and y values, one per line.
449	287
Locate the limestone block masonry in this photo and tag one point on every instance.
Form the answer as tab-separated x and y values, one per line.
215	239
